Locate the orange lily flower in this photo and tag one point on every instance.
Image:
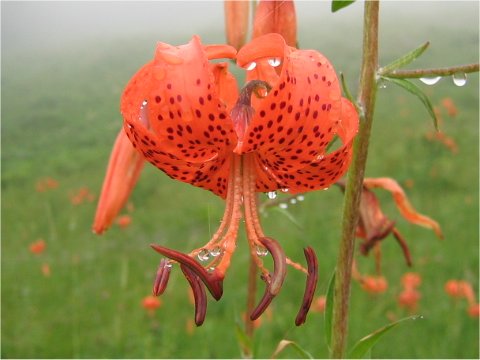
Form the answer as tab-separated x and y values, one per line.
38	247
409	299
185	116
375	226
123	171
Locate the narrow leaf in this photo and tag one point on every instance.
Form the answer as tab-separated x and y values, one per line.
340	4
288	215
284	343
329	309
244	341
415	90
346	91
363	346
404	60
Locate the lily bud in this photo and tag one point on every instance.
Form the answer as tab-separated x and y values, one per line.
122	174
236	22
276	17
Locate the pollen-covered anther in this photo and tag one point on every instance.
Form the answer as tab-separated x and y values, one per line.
199	295
161	279
274	281
212	280
311	285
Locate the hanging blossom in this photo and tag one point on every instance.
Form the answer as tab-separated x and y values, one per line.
185	115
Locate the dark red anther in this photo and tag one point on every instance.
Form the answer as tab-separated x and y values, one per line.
161	280
198	294
275	280
213	281
310	286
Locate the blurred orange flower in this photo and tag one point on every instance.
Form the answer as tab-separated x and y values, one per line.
474	310
151	303
45	184
460	289
81	195
409	298
449	105
411	280
38	247
374	284
46	270
319	304
124	221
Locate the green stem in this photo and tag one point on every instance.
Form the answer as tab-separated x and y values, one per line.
444	71
366	102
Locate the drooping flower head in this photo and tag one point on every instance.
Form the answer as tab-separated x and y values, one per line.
185	115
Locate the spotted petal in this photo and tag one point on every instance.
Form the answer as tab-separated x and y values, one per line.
293	126
175	115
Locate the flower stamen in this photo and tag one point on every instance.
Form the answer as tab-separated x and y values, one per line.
310	286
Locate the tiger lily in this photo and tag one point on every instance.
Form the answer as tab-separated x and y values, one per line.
185	115
374	225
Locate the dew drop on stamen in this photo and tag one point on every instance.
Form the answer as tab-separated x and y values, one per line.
203	255
272	195
430	80
459	79
251	66
274	62
261	251
216	251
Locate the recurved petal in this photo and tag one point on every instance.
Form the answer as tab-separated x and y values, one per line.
175	116
288	168
122	174
403	204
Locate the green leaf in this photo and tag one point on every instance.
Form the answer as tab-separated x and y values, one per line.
288	215
340	4
346	91
404	60
415	90
244	341
329	309
284	343
364	346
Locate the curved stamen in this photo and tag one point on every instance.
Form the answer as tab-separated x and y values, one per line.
161	280
275	281
213	280
310	286
198	294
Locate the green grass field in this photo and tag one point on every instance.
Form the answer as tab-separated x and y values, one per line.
59	119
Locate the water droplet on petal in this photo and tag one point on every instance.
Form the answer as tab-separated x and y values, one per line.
300	197
285	190
203	255
251	66
459	79
283	206
274	62
272	195
430	80
261	251
216	251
